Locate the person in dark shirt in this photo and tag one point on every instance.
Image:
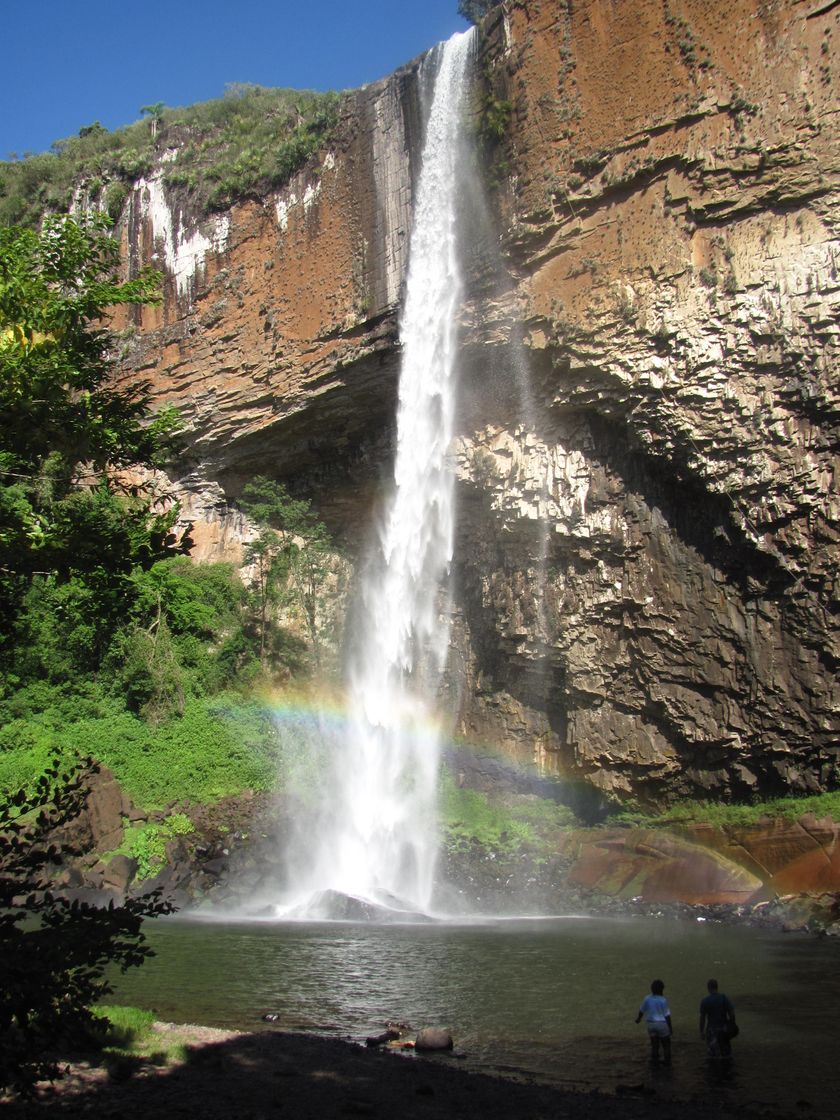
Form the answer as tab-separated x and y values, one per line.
717	1020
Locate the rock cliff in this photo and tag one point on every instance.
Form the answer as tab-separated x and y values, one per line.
645	575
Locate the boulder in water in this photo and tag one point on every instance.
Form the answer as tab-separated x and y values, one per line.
336	906
433	1038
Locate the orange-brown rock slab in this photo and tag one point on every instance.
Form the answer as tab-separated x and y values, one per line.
658	867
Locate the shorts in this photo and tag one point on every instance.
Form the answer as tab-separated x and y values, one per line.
658	1029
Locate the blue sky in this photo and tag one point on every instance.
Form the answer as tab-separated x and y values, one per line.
68	63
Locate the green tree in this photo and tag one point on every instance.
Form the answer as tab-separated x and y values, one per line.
185	635
268	556
66	431
53	952
475	10
155	115
293	560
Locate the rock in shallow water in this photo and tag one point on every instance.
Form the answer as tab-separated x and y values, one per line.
335	906
433	1038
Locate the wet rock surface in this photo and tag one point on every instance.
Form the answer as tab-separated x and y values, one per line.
510	884
232	861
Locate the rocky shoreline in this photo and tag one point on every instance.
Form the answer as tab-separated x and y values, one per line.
227	858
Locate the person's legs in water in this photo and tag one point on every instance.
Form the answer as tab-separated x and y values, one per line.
654	1047
659	1035
666	1050
712	1045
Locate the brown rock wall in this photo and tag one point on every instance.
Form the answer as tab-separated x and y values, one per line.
789	856
276	337
704	864
651	546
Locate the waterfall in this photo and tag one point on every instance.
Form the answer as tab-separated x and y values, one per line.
376	840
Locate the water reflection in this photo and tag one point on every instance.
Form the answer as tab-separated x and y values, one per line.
553	998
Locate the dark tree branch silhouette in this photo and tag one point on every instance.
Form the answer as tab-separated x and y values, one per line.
54	952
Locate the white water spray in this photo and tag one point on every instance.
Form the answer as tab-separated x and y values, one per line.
377	841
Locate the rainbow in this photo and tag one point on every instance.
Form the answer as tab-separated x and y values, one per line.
326	710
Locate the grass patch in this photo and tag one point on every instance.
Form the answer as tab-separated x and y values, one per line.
504	824
123	1028
127	1039
723	815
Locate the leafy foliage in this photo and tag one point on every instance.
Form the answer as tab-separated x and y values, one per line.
159	705
215	748
65	429
507	824
147	843
475	10
293	560
242	145
107	637
55	396
186	633
219	745
54	952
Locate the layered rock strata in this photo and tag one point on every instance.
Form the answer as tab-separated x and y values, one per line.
651	564
646	585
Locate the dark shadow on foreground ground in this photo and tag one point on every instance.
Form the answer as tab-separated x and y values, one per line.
272	1074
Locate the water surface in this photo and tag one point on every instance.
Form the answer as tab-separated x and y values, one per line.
551	998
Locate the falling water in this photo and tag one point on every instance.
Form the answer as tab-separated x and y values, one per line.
377	841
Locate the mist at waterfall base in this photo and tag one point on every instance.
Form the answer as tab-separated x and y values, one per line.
367	847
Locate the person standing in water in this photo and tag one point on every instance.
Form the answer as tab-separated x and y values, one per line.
655	1011
717	1022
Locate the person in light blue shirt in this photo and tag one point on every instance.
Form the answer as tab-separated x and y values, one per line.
656	1013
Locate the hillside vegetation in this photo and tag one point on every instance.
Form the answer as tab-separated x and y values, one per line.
238	146
113	643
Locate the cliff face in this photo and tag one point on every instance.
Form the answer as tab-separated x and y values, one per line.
276	339
646	585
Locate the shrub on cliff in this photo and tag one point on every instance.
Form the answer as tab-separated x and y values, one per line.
53	953
475	10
